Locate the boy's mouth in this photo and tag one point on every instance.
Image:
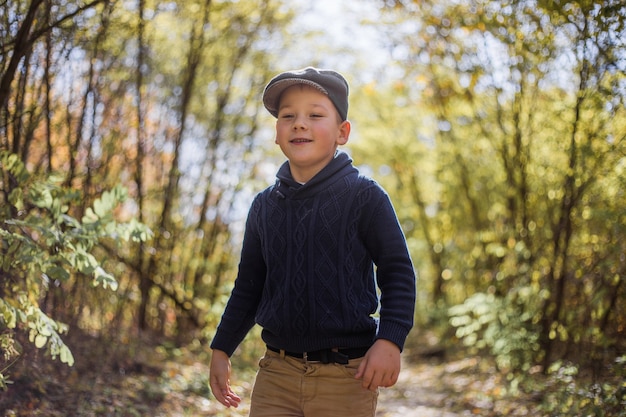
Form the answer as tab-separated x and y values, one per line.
300	140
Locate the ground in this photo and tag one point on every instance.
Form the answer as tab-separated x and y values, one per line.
112	380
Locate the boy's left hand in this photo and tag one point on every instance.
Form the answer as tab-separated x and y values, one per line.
380	366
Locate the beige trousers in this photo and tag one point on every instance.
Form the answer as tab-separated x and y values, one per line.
292	387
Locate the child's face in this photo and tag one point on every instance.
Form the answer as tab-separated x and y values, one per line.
308	130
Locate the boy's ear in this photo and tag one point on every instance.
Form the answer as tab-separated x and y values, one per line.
344	132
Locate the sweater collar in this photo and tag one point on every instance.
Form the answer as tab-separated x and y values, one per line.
287	187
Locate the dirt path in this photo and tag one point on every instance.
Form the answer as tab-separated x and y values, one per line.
418	393
175	384
423	390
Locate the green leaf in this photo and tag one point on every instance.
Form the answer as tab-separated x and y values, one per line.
8	314
102	205
17	198
104	278
15	166
66	355
90	216
55	272
40	341
86	262
41	196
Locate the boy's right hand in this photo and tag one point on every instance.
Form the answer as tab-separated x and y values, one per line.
220	379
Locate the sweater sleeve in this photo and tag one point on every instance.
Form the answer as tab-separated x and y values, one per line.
395	275
240	311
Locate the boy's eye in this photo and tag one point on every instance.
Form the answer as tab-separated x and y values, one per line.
293	115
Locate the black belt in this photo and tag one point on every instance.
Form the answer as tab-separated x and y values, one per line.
340	356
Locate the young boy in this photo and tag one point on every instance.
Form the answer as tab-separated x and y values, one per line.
306	274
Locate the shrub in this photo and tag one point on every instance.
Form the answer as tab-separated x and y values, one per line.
41	243
505	328
572	395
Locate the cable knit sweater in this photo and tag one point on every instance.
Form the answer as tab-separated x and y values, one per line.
312	258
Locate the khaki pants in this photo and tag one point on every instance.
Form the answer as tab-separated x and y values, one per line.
292	387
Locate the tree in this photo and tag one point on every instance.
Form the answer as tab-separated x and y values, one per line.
161	99
514	161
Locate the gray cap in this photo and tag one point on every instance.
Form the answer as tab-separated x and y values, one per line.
328	82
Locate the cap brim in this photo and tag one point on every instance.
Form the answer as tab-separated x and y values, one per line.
271	95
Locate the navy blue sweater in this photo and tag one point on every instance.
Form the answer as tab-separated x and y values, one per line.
312	258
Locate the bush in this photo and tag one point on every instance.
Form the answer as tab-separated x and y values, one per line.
571	395
505	328
41	243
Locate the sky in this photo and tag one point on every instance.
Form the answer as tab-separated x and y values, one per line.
342	41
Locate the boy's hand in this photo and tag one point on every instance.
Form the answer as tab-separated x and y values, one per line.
220	380
380	366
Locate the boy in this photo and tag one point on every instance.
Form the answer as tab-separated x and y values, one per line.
306	274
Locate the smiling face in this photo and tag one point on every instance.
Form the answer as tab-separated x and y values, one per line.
308	130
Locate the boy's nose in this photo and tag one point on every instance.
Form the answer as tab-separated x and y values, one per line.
299	123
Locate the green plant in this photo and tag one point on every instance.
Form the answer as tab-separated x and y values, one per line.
572	395
42	243
505	327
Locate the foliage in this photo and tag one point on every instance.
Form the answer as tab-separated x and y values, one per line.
161	98
570	395
498	128
502	142
43	245
504	327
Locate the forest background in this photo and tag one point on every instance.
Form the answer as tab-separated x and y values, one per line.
132	141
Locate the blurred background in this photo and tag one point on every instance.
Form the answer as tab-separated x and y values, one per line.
133	139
